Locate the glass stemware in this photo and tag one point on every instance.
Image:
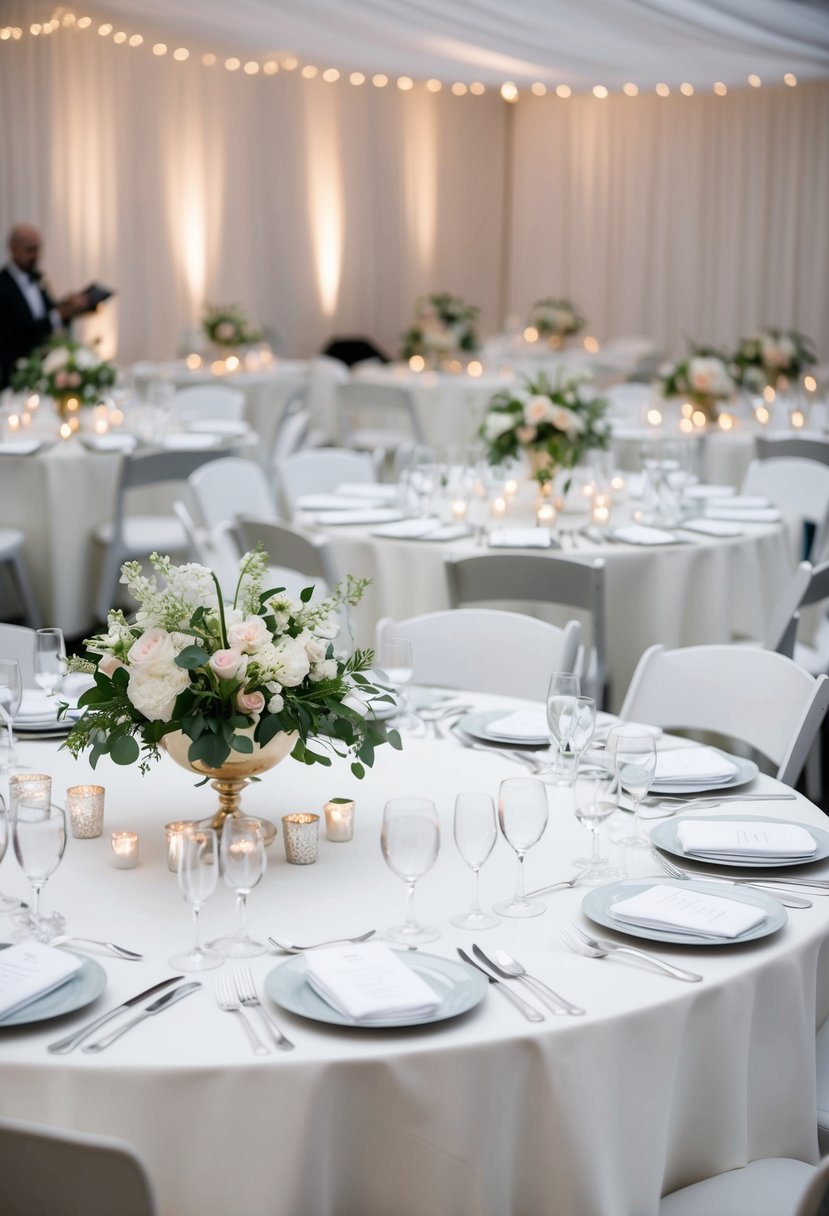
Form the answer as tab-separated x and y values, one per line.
595	799
39	837
563	691
50	659
522	814
242	854
198	871
7	902
476	830
635	758
410	840
394	657
11	694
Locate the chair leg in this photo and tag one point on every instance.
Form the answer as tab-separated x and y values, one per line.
814	774
31	612
108	583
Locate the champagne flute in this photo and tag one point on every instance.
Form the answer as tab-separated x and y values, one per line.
563	691
198	871
635	758
39	836
8	903
522	814
50	659
410	840
11	694
394	657
242	854
476	831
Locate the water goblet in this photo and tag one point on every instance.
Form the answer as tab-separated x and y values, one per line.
410	840
595	799
242	854
11	694
635	758
39	837
198	871
522	814
476	830
563	692
50	659
394	657
8	903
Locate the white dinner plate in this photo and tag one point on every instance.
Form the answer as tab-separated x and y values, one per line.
747	770
665	836
598	906
81	989
360	515
479	725
218	426
458	986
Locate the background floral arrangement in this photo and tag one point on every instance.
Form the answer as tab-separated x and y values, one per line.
558	423
556	318
703	378
770	355
227	325
226	676
62	368
442	325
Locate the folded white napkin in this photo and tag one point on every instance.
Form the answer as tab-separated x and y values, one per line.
694	912
748	515
35	706
21	447
639	534
519	538
325	502
368	489
109	443
605	723
712	527
30	970
408	529
523	726
691	766
741	840
218	426
741	502
708	491
187	441
369	983
360	515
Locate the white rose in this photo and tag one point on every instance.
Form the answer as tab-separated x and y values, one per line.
276	704
326	670
85	358
55	360
153	690
496	424
292	664
709	375
153	649
315	648
327	628
537	409
565	420
248	635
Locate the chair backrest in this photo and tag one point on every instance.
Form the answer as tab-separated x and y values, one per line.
324	375
813	1200
782	627
791	448
759	697
210	401
387	406
154	468
226	488
535	577
291	434
799	487
18	642
46	1169
318	470
628	402
486	651
216	548
289	550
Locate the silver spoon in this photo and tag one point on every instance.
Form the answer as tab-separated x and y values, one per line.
503	964
293	948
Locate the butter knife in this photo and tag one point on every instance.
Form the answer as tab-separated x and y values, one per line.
72	1040
163	1002
532	1015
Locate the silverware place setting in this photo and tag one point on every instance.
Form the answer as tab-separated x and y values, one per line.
506	967
580	942
760	884
295	948
164	1002
524	1007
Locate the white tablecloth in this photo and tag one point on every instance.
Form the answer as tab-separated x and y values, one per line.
660	1083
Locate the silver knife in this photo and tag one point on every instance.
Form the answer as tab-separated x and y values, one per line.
71	1041
163	1002
532	1015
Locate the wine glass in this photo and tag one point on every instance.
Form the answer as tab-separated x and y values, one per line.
50	659
198	871
522	814
563	691
11	694
242	854
635	758
39	836
8	903
394	657
596	798
410	839
476	831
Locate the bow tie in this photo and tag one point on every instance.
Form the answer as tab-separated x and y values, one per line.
34	275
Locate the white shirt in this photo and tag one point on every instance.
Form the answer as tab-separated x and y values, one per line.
33	295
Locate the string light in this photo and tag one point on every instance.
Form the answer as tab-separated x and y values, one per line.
308	72
754	80
459	89
630	89
686	89
790	79
563	90
599	91
160	48
180	54
477	88
84	23
208	60
405	83
331	75
720	89
69	19
357	78
290	63
105	30
136	40
379	80
233	64
34	30
251	68
663	90
509	91
434	86
270	67
119	37
539	89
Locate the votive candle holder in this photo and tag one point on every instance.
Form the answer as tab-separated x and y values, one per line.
35	789
300	835
125	850
339	819
173	836
85	804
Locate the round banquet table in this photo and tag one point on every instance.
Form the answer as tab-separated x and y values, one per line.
659	1084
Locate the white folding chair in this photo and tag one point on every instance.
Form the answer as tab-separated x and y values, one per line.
49	1170
217	548
756	696
538	578
628	402
318	470
324	376
18	642
294	559
791	448
12	542
486	651
229	487
210	401
377	417
772	1186
798	487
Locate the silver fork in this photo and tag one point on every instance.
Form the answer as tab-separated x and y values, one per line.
246	988
594	947
562	882
227	1000
293	948
754	884
528	761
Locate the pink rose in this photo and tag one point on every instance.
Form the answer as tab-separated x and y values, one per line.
73	379
61	379
152	649
249	635
108	665
250	702
226	663
526	434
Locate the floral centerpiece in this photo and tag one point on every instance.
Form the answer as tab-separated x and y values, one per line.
227	326
224	681
443	326
703	378
772	356
71	374
556	320
555	424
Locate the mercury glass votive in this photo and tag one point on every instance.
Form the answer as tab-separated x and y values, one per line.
35	789
85	805
173	836
125	850
339	819
300	834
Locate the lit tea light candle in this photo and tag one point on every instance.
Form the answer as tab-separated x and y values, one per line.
125	850
173	836
510	488
798	419
85	804
530	334
545	516
475	368
217	367
769	395
687	409
591	345
459	509
618	483
454	366
686	426
654	417
810	384
193	362
587	489
499	508
13	423
600	509
698	418
266	358
33	401
762	415
116	416
339	819
252	361
725	422
232	363
72	405
300	835
25	419
65	430
417	363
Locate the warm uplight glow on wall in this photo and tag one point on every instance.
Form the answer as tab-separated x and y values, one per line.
325	195
421	182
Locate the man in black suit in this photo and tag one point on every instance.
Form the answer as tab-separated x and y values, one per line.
28	314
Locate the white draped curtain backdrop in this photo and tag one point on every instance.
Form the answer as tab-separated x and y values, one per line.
326	208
